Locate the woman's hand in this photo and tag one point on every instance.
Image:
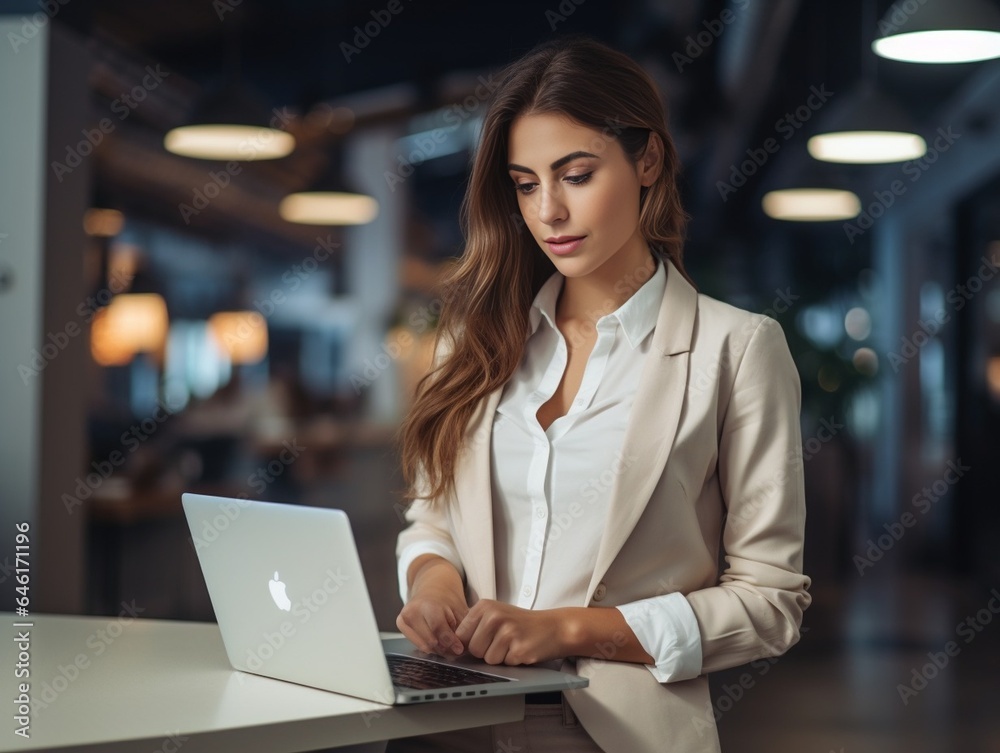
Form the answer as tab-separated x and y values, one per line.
435	607
500	633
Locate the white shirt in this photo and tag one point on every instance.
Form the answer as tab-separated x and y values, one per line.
551	488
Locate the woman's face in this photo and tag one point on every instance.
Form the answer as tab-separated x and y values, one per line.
573	181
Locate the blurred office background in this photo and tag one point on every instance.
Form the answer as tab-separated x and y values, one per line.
167	324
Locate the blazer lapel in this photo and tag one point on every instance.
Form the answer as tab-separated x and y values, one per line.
653	420
473	514
654	417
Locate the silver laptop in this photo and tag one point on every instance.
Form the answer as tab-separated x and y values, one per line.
291	602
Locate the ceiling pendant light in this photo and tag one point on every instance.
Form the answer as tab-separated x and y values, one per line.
811	204
231	121
934	31
816	192
330	201
865	127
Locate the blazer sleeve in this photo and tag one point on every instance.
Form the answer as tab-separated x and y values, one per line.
428	531
756	609
427	534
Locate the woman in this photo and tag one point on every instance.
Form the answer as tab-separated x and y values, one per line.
593	428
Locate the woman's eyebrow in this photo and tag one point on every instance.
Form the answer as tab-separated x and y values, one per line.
555	165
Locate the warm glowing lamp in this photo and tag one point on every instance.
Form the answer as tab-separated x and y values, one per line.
328	208
993	376
866	127
330	200
229	141
934	31
811	204
100	222
130	324
242	335
232	123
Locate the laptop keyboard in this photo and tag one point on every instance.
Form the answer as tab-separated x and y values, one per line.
410	672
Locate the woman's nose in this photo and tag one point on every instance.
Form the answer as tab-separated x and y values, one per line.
550	206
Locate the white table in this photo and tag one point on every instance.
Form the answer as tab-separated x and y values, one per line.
132	684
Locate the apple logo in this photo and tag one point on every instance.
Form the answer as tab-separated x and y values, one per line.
278	593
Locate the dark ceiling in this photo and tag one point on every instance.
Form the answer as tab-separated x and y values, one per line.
725	100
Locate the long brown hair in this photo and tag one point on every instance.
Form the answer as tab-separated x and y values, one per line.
484	320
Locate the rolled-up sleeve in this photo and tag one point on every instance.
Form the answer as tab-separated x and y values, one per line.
667	629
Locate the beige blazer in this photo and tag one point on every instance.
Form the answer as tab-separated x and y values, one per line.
712	454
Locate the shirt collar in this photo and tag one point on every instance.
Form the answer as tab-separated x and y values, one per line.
637	316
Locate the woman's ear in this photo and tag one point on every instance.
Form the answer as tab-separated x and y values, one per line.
651	162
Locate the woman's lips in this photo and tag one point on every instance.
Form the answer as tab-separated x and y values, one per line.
566	247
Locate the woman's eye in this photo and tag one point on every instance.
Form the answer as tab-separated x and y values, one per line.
575	180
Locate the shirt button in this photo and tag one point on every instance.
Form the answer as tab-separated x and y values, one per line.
600	591
540	513
526	590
